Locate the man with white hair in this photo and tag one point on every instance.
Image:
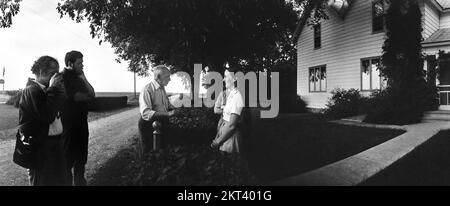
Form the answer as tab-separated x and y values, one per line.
154	105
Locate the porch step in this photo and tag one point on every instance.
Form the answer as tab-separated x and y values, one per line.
436	116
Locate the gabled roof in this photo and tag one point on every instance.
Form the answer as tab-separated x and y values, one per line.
440	36
340	7
443	4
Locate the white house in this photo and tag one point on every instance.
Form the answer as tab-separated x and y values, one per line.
343	52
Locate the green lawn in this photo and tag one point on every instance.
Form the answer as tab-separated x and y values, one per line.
427	165
281	147
9	116
94	115
293	144
120	169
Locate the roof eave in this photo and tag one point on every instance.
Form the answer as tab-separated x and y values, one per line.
299	29
435	44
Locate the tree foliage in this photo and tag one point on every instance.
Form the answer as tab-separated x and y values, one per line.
407	94
251	34
402	49
8	9
181	33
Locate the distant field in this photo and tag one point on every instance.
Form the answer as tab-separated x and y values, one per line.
111	94
9	116
130	95
115	94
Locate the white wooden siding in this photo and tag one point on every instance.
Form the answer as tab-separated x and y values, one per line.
344	44
431	19
445	20
435	50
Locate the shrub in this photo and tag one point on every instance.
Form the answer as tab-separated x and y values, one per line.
345	103
15	97
379	106
193	166
431	98
193	126
400	108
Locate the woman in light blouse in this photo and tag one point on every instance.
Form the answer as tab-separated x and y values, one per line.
230	104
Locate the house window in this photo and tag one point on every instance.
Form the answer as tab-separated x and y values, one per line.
370	74
317	38
378	12
318	79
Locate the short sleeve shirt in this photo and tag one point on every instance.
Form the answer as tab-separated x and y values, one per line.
220	102
234	104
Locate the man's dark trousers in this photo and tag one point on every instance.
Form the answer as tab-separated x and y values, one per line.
146	135
77	150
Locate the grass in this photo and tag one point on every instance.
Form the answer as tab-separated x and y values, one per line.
293	144
4	97
427	165
116	171
94	115
279	148
9	116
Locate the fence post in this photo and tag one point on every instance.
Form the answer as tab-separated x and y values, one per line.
157	135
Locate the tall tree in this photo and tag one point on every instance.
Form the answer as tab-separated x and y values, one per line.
181	33
406	96
252	34
402	49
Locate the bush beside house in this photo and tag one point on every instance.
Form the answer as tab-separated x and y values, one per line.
384	107
345	103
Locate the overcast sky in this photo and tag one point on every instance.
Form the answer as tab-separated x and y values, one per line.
37	30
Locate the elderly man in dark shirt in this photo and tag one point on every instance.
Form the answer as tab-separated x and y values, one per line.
74	117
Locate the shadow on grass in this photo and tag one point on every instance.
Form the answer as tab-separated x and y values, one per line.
428	164
182	165
279	148
293	144
116	171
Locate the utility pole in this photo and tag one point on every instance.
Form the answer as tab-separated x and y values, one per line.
2	81
134	84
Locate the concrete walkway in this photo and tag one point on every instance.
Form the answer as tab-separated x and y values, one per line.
107	136
358	168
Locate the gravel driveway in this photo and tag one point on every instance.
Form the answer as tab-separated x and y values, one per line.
107	136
